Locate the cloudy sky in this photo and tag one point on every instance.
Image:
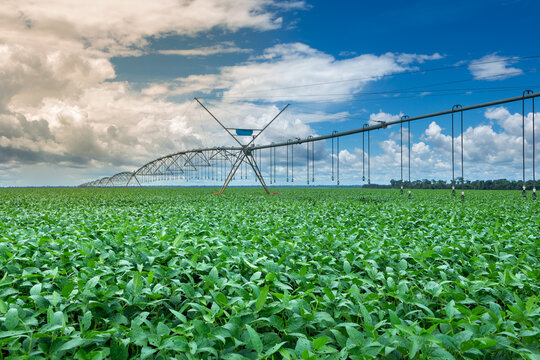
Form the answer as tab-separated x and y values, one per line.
89	89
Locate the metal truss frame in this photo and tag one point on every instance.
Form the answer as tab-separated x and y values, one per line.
186	163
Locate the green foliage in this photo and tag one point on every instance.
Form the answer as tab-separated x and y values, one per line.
307	274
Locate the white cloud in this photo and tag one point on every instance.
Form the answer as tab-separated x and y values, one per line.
493	67
488	153
30	76
120	26
288	72
225	48
59	103
511	123
418	58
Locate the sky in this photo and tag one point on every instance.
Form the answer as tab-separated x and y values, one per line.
90	89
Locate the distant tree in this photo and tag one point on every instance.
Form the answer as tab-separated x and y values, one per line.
498	184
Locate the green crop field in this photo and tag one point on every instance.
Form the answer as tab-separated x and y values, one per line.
306	274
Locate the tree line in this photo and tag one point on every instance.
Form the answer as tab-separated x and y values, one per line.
499	184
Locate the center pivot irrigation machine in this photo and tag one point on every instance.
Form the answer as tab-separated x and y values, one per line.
225	163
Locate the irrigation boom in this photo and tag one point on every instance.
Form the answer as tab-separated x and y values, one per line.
223	162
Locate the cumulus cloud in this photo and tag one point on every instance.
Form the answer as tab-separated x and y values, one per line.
298	72
224	48
59	101
29	76
417	58
119	27
493	67
491	150
488	152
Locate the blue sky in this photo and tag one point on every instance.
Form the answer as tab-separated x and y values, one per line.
86	95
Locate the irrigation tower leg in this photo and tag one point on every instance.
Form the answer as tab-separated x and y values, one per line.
231	174
251	160
253	163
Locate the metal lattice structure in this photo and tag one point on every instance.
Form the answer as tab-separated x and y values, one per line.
116	180
188	165
222	163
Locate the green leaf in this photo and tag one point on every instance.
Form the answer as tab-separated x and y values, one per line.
402	265
234	357
179	315
58	318
68	288
261	299
178	240
188	290
118	351
441	354
294	323
365	315
355	336
221	299
249	264
254	340
162	329
147	351
319	342
137	282
86	320
302	345
406	329
55	298
3	307
91	284
35	290
321	316
394	319
285	353
18	333
415	346
12	319
71	344
484	343
329	293
213	276
274	349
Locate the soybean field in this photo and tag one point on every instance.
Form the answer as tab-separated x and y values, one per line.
307	274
